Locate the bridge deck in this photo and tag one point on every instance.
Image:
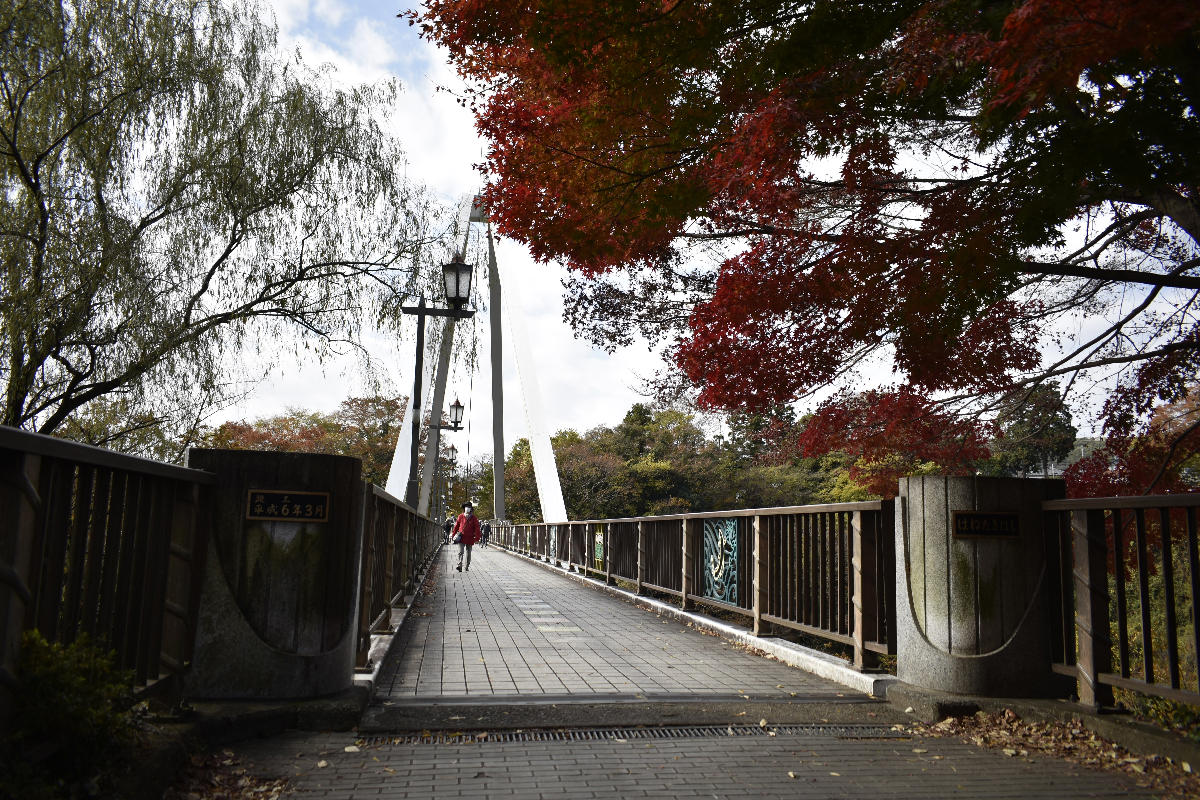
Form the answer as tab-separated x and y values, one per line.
509	628
552	681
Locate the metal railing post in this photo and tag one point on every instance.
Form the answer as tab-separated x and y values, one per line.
641	551
608	578
758	591
865	597
1091	607
689	529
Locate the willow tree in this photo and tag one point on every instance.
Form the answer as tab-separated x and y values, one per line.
174	190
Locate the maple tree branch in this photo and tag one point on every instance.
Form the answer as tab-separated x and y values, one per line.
1168	279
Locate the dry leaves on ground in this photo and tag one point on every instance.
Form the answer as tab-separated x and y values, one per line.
221	776
1071	742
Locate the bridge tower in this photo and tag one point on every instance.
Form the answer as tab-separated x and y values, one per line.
545	469
544	465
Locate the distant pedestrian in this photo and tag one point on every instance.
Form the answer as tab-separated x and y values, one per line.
486	532
446	526
466	533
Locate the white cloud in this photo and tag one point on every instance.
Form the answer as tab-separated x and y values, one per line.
582	387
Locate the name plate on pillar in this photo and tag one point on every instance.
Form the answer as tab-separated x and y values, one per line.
287	506
985	524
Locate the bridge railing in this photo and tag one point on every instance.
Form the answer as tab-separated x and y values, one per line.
1127	595
98	543
827	571
397	544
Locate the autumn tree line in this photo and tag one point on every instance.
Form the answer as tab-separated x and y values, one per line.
661	460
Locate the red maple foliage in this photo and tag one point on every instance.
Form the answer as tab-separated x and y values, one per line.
946	182
891	434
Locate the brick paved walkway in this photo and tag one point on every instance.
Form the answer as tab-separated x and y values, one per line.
700	767
509	628
510	637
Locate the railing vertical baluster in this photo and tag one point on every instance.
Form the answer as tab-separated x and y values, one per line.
688	528
758	591
98	554
608	554
1122	606
1144	597
1090	557
1194	583
808	572
366	571
147	517
136	499
864	591
1168	576
641	556
56	485
80	537
154	591
118	514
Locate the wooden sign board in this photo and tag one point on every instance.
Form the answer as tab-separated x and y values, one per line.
985	524
280	505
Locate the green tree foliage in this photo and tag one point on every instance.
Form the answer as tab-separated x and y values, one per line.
176	190
1035	432
660	461
364	427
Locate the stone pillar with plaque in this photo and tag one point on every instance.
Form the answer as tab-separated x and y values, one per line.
279	595
972	585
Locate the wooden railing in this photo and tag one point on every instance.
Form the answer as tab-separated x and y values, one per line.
397	544
1128	595
98	543
827	571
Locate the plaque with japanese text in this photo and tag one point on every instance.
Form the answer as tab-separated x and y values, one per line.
287	506
985	524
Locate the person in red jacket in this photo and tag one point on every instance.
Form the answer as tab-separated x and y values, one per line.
466	529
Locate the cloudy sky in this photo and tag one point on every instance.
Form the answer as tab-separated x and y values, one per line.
581	387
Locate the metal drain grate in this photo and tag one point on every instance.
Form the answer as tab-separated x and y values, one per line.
634	734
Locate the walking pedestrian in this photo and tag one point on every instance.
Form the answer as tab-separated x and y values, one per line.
466	534
486	531
446	526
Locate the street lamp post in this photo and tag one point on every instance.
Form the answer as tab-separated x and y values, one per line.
456	277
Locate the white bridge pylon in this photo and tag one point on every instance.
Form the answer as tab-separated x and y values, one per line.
545	468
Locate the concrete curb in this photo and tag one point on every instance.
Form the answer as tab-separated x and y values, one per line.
822	665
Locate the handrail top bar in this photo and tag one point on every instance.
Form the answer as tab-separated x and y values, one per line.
1140	501
865	505
396	501
53	447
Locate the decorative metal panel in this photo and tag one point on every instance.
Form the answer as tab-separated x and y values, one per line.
721	559
553	530
598	536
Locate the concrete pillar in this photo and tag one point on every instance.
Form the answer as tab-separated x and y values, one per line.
278	603
971	585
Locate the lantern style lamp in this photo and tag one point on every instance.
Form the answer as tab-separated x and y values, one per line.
457	278
456	414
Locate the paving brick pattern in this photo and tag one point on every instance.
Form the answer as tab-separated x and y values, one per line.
508	627
509	631
710	767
